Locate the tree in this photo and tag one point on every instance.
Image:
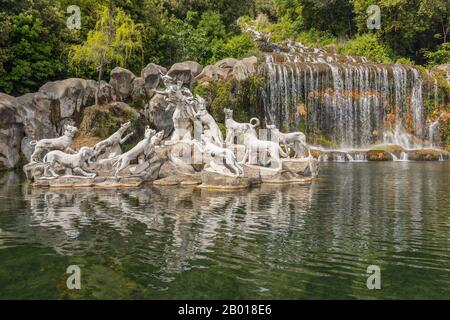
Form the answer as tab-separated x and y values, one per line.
26	61
114	39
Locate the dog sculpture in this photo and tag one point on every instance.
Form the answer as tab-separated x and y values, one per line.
296	139
114	141
141	148
62	143
233	127
206	119
76	162
253	146
222	159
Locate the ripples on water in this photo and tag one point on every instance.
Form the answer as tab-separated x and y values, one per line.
289	242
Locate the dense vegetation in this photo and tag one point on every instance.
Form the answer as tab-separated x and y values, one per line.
35	41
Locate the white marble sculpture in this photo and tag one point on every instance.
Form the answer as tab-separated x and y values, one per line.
76	163
222	161
183	101
111	145
62	143
295	139
208	121
234	128
254	146
125	159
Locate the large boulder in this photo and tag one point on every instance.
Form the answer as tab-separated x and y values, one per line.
226	63
213	73
11	132
122	81
40	117
185	71
245	68
158	116
151	75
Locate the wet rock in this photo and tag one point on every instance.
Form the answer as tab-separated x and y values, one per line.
122	81
138	94
427	155
226	63
70	95
212	180
378	155
151	76
213	73
244	68
185	71
180	179
158	116
11	132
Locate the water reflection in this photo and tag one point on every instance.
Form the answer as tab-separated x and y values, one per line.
272	241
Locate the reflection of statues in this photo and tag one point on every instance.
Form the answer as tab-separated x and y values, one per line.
233	127
113	142
125	159
77	163
62	143
296	139
253	145
183	101
222	161
207	120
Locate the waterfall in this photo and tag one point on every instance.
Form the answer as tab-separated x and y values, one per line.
350	101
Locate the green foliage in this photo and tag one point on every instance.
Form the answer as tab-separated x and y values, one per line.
440	56
114	39
366	45
26	61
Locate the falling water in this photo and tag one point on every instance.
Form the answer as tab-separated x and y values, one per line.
348	100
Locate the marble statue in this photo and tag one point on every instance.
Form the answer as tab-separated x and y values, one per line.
296	139
183	101
254	146
233	127
62	143
211	161
111	145
208	121
222	160
77	163
125	159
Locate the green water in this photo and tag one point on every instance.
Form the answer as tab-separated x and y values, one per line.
281	242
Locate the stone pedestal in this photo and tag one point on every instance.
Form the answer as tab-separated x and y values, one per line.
64	182
212	180
184	179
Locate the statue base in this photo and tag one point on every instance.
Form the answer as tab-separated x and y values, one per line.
175	180
216	181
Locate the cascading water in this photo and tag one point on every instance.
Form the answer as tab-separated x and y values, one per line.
348	100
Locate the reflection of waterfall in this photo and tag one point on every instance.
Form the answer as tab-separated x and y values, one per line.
351	102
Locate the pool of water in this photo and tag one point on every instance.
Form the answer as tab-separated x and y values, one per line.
280	242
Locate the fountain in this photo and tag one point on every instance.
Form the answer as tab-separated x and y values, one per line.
194	153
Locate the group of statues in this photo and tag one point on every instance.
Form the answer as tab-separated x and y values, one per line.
190	113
